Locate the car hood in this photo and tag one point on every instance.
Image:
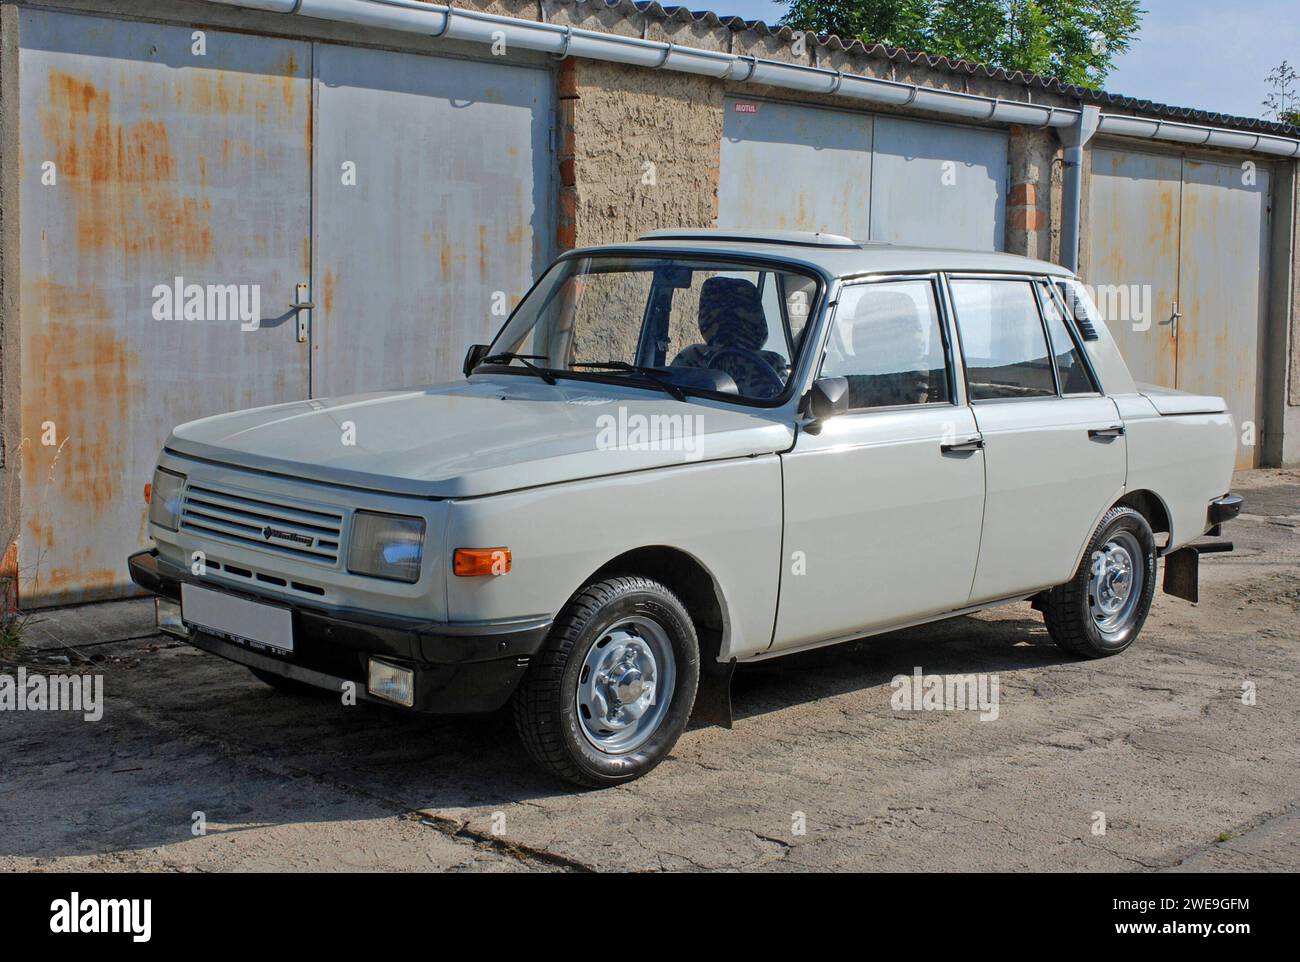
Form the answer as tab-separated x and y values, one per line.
491	434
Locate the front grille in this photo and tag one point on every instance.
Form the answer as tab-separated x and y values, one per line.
310	534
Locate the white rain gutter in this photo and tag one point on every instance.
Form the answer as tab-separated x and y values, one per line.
1196	135
454	23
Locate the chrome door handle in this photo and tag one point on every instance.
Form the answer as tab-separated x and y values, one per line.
1114	431
970	444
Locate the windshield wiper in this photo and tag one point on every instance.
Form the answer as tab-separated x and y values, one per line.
652	374
505	357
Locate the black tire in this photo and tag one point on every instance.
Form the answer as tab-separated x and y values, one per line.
1070	610
545	706
288	685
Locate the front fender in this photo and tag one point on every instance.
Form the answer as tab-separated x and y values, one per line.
726	514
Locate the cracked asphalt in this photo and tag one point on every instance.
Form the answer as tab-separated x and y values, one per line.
820	771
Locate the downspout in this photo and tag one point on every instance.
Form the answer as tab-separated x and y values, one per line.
1074	138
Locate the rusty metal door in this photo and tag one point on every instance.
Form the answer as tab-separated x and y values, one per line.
790	167
1178	259
1223	288
150	153
1133	225
432	211
938	185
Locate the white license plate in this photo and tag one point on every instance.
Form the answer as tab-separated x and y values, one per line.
237	619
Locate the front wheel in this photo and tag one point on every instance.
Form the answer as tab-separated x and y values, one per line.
1100	611
612	690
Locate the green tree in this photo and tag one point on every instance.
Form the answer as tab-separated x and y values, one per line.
1075	41
899	23
1283	101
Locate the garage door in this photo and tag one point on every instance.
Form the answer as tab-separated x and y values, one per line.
409	194
1178	255
873	178
432	211
147	168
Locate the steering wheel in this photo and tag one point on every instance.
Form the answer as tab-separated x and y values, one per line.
753	372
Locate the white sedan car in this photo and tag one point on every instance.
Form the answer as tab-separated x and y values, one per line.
683	453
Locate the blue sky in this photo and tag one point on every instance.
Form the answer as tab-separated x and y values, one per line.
1208	54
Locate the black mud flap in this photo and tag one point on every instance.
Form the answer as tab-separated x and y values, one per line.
1183	569
1183	574
713	696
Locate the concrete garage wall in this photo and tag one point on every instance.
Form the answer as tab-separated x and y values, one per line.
10	430
613	115
1287	372
638	149
617	119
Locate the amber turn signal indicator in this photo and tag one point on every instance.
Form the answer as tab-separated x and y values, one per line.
148	492
474	562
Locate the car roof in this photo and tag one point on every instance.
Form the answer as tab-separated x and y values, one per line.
834	254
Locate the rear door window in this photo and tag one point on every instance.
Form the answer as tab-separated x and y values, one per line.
1002	339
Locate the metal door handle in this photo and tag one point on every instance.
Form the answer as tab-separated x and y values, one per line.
300	304
970	444
1114	431
1173	330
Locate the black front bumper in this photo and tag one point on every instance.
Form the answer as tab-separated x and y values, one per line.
459	668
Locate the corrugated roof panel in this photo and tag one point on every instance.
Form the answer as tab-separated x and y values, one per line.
913	58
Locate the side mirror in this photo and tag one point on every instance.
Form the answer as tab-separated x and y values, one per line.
829	396
475	354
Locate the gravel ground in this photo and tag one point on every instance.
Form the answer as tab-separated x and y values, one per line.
820	772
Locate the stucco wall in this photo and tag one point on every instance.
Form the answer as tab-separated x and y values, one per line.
646	151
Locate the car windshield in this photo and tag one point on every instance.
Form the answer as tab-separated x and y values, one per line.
676	324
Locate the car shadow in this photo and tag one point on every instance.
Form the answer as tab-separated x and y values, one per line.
185	732
956	646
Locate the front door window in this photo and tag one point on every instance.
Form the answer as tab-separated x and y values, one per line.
887	342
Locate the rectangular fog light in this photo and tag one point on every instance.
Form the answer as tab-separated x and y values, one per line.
391	683
167	615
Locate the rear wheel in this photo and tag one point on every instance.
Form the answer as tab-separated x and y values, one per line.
612	690
1100	611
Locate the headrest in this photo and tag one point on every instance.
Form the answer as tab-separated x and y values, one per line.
888	324
731	314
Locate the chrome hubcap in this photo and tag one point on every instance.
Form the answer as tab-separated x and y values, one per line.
1115	583
625	685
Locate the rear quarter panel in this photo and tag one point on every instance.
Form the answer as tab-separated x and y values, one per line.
725	514
1185	459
